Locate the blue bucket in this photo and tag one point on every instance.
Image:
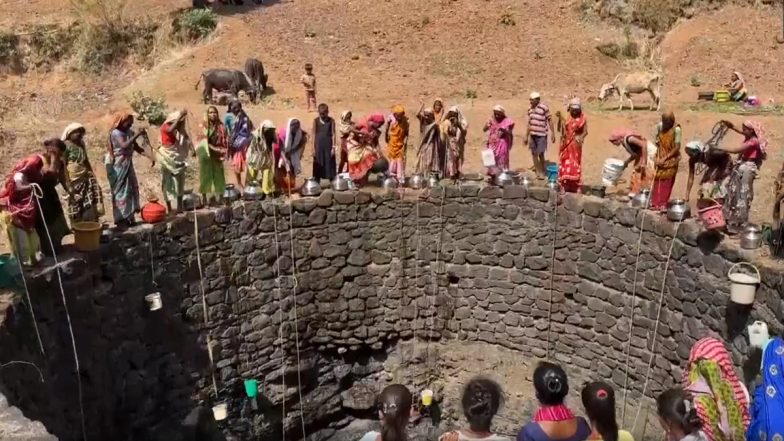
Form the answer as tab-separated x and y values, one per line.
552	172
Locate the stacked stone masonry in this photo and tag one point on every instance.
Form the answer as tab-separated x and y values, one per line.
470	263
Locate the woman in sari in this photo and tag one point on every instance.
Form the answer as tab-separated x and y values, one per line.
715	166
397	142
767	410
737	87
438	110
641	152
19	213
721	400
288	154
668	155
362	157
119	168
454	130
431	152
500	137
175	145
260	157
212	148
240	135
570	172
345	127
51	219
84	195
740	191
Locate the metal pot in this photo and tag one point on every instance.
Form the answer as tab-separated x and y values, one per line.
390	183
678	210
434	181
230	194
190	200
751	237
507	177
310	188
340	183
417	181
252	191
525	182
640	200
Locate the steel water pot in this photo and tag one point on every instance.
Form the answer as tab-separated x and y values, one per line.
640	200
311	188
252	191
417	181
678	210
230	194
751	237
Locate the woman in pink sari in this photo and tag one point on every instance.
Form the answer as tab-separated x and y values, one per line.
499	140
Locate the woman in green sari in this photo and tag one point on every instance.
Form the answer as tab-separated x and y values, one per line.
84	194
212	148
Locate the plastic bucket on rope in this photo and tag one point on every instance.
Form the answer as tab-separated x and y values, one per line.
552	172
251	388
743	288
154	301
758	334
711	214
612	171
87	235
427	397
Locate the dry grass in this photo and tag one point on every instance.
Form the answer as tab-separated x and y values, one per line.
655	15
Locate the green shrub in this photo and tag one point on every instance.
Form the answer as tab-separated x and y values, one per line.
99	46
9	48
194	24
151	109
51	44
655	15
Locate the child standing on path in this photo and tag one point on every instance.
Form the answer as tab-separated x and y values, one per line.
309	81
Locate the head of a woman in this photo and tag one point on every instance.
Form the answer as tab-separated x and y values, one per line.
399	112
438	105
268	131
550	383
213	117
677	414
294	125
54	148
599	403
734	76
748	129
74	133
575	107
123	122
235	107
394	409
482	398
499	113
667	120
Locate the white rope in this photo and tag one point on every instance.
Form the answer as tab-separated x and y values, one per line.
152	260
204	303
552	277
38	194
296	319
14	362
30	303
280	326
652	351
633	305
434	272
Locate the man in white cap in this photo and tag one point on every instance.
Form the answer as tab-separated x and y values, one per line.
540	124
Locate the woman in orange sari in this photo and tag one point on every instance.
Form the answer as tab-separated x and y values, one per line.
570	174
668	156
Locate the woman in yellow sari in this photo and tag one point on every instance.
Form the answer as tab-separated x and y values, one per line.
84	195
261	159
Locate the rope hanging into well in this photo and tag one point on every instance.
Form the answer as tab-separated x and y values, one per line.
434	273
38	195
652	352
204	304
294	270
280	325
552	277
30	304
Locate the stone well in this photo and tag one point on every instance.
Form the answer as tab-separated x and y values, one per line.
427	289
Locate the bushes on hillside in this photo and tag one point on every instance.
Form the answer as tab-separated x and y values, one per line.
9	49
194	24
151	109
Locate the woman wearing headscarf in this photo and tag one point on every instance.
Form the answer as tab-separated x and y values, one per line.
345	128
454	130
431	152
119	168
500	137
570	172
175	145
240	134
767	410
84	195
721	400
397	142
324	136
438	110
740	191
363	153
33	177
288	154
641	152
261	161
715	168
212	148
667	136
737	87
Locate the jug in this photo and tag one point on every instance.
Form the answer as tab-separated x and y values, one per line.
751	237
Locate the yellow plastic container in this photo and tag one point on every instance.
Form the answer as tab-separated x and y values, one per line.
87	235
721	96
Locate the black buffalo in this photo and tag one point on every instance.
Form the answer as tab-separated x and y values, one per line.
255	71
226	80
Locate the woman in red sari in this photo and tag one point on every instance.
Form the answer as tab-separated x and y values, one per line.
570	173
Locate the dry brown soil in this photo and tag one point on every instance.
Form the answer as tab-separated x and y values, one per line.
369	55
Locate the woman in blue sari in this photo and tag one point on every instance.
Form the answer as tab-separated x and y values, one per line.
767	411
